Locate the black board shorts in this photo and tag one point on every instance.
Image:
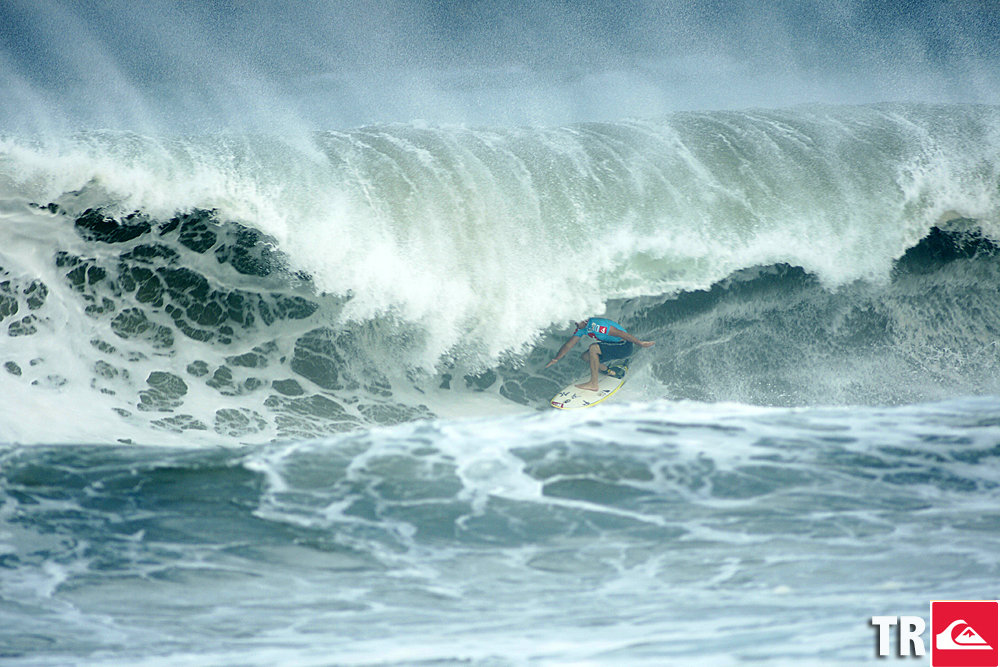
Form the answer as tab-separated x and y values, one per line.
618	350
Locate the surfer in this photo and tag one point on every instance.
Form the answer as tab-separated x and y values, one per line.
609	341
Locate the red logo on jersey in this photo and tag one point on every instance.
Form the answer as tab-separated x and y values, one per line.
602	330
964	633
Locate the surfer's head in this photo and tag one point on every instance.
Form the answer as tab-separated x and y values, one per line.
579	325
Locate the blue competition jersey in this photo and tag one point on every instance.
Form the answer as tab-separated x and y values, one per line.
598	328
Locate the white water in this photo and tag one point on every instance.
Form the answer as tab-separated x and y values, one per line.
433	251
452	229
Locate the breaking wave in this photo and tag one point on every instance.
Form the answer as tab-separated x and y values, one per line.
247	289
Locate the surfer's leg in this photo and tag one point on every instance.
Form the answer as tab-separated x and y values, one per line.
593	356
586	358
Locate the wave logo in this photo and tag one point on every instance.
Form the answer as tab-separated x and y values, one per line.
964	633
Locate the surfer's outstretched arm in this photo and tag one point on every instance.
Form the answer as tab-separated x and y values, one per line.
564	349
630	338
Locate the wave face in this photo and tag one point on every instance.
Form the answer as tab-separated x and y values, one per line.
245	289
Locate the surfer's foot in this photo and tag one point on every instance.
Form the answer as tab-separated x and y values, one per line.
615	372
590	386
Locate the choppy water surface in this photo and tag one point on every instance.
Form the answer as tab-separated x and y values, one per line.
643	534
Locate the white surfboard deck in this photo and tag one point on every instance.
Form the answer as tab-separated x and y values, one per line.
572	397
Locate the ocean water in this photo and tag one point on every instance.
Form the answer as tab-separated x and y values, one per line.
270	406
644	534
273	385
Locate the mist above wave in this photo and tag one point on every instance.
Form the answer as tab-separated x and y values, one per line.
174	67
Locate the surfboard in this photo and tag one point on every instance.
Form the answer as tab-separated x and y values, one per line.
572	397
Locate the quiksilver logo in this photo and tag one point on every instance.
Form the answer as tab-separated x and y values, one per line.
964	633
966	640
